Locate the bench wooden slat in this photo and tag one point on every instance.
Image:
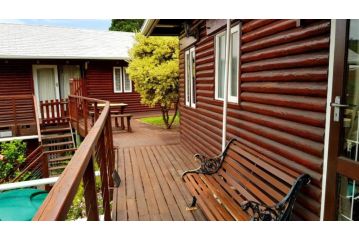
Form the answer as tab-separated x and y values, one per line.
213	205
259	181
252	167
226	199
195	193
291	173
264	165
251	188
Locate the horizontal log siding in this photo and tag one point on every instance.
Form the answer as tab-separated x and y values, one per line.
99	77
282	99
15	77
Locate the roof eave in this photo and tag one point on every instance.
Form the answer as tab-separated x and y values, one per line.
148	26
62	57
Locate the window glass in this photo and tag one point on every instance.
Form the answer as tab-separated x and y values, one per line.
234	65
190	78
193	77
117	79
127	81
221	65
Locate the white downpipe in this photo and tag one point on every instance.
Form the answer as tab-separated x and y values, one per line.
226	78
328	116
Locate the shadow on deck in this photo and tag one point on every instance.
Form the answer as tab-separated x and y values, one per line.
151	187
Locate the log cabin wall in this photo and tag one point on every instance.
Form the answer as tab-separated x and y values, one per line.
282	98
99	77
15	77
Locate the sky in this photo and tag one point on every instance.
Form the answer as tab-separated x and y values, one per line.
96	24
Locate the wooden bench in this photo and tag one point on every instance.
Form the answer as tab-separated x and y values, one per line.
242	184
122	116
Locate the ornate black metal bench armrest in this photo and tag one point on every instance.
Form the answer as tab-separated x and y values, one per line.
210	165
282	210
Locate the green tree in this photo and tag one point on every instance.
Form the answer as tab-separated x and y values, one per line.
126	25
13	155
153	68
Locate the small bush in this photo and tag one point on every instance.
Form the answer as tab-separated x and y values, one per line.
13	156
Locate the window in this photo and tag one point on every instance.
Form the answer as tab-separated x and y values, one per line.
126	81
117	79
233	63
121	80
190	78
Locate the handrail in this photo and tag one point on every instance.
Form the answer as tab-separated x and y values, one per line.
37	116
97	145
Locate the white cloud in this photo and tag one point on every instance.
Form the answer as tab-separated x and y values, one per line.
16	21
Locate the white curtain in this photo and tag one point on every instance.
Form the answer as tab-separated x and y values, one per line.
68	72
46	83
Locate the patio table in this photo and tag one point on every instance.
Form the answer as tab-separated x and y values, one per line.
116	108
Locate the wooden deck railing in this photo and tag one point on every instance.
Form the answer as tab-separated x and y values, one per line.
97	146
17	111
54	111
78	87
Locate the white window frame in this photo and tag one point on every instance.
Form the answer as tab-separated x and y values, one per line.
124	80
192	80
114	80
233	99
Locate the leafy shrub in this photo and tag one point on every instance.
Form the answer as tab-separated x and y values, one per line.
14	155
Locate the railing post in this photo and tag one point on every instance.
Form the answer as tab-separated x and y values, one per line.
103	162
72	92
85	114
90	192
45	168
15	116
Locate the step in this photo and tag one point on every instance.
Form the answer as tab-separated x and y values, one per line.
57	168
52	130
58	144
59	159
61	150
57	136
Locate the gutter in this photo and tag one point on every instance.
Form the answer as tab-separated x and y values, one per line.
148	26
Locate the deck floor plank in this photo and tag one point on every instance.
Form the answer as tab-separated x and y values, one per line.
152	188
153	210
156	186
120	194
178	163
142	207
132	213
172	177
166	189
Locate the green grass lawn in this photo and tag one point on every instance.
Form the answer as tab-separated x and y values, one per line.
158	121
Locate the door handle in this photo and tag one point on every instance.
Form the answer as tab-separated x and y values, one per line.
337	105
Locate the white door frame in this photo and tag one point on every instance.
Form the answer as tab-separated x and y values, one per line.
36	83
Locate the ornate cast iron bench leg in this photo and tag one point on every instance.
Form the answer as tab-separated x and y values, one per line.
282	211
193	204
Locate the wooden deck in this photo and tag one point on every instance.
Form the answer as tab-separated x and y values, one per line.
151	187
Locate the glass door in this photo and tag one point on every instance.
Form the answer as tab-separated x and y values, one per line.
343	204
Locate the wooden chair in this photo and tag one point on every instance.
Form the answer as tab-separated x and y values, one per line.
242	184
